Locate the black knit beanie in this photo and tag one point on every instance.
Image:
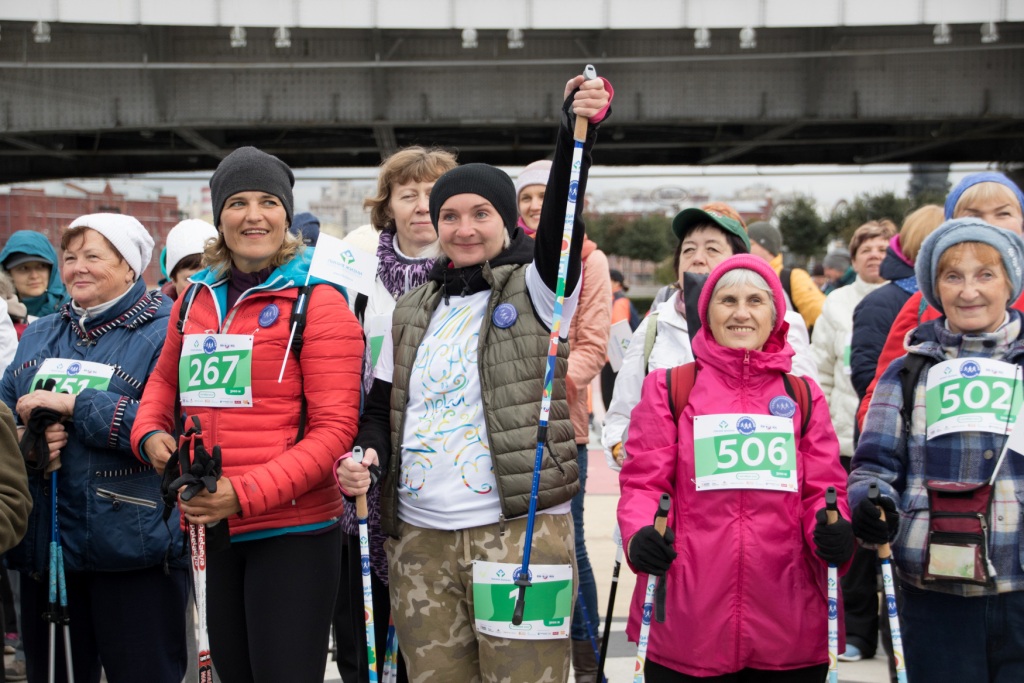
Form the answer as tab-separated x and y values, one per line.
489	182
247	169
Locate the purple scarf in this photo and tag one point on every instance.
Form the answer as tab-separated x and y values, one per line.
399	273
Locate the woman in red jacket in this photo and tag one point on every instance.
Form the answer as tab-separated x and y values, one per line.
279	439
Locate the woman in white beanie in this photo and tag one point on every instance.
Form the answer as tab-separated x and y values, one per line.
126	584
185	245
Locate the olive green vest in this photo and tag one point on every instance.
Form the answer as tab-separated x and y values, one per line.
512	364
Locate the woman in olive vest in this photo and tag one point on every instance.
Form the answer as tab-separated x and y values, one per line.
452	418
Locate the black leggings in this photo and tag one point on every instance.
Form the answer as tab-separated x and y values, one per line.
270	603
656	673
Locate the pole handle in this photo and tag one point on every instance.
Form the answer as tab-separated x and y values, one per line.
884	551
831	505
661	516
580	131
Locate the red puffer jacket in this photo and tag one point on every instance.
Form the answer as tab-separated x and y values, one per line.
279	483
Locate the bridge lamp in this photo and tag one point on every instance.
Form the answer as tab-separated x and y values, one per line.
515	39
469	38
702	38
942	35
238	37
41	32
748	38
989	33
282	37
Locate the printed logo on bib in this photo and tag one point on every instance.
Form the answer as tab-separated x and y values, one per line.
976	395
744	452
74	376
216	371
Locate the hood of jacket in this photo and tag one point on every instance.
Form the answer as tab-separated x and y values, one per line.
36	244
895	266
776	354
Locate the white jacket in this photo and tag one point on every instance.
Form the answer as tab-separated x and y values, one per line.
672	348
832	332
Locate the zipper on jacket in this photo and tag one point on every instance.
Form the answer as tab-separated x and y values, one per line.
988	558
117	498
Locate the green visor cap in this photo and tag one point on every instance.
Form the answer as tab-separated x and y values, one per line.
687	219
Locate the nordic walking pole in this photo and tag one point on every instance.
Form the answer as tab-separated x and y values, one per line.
391	654
885	557
591	636
363	514
831	517
660	522
579	137
197	540
617	537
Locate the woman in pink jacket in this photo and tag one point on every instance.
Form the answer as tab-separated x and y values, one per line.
744	558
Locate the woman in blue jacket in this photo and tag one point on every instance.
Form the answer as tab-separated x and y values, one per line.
126	582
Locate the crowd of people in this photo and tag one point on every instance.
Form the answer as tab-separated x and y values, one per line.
254	399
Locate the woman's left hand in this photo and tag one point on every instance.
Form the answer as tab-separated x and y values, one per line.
591	98
207	508
62	403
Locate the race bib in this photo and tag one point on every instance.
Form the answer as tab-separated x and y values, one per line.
73	376
548	601
972	395
847	367
215	370
744	451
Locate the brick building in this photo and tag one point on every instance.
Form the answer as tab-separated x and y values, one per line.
33	209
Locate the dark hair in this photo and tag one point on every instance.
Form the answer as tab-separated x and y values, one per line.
190	262
738	247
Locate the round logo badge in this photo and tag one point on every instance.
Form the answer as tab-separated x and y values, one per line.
74	369
573	190
209	345
782	406
269	315
970	369
746	425
505	316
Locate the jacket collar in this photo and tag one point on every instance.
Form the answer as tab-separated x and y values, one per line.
933	340
136	308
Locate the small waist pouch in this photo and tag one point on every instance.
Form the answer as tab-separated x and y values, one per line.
958	527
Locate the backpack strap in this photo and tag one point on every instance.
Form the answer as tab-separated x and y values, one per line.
186	304
800	391
679	382
649	337
785	276
298	320
360	308
913	366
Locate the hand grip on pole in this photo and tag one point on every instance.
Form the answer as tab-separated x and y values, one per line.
831	505
362	510
660	524
580	131
884	552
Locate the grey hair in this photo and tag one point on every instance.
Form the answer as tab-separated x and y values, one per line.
743	276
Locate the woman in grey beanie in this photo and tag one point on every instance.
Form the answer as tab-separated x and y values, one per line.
947	444
279	411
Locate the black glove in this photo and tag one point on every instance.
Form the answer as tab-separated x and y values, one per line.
834	541
867	521
650	552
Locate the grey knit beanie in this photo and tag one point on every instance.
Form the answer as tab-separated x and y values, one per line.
489	182
247	169
957	231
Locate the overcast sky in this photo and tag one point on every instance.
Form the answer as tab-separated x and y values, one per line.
827	184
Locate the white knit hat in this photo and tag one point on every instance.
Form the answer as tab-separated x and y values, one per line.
186	238
127	235
535	174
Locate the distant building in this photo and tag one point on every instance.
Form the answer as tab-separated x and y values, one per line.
340	207
50	213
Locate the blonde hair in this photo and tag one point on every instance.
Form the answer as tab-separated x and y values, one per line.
411	164
217	256
983	193
869	231
918	225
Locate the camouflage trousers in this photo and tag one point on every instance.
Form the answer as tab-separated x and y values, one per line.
431	573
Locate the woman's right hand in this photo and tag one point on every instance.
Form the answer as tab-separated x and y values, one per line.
354	477
159	448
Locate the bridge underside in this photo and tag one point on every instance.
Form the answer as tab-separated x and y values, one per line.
106	100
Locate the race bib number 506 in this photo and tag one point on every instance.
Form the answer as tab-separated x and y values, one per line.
744	451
